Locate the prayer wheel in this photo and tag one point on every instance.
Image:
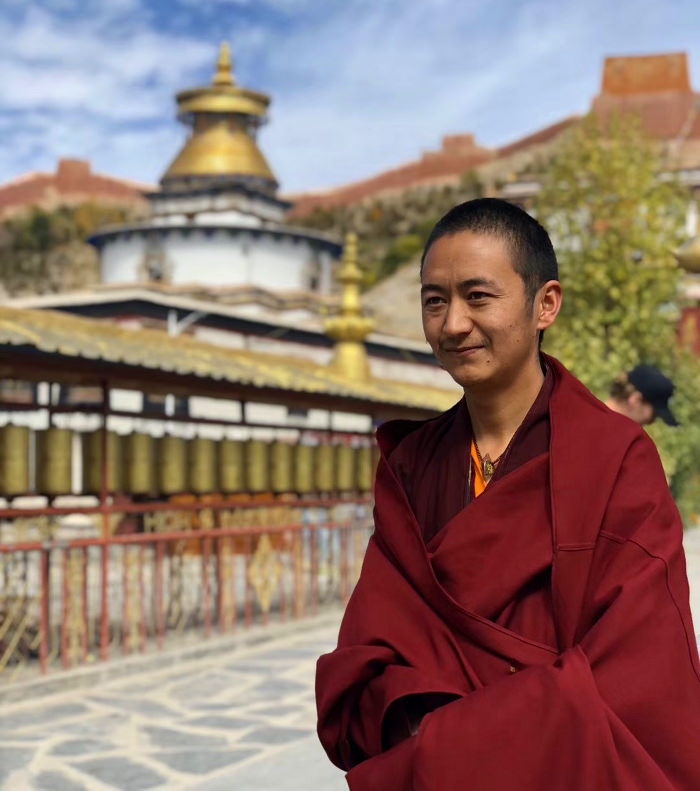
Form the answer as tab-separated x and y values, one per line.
304	469
257	466
139	464
172	465
92	462
281	463
346	470
324	475
231	466
365	468
14	460
203	466
55	461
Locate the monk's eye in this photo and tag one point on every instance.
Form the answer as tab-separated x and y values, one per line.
478	296
432	302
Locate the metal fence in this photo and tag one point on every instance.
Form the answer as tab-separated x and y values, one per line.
67	601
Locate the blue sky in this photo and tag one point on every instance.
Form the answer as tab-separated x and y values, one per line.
357	86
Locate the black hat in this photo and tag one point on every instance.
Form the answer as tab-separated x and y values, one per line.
656	389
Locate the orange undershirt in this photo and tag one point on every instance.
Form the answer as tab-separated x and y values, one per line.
479	481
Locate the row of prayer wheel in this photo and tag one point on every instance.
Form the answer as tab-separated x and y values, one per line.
140	464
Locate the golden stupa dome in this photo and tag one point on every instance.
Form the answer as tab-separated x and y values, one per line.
688	255
224	118
220	151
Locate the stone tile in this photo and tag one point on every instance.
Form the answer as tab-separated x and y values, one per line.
167	737
81	747
121	772
300	767
54	781
24	739
12	759
223	723
146	708
202	762
275	711
203	686
302	652
39	715
268	669
274	689
272	735
100	726
226	706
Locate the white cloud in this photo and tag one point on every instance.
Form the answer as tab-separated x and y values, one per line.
70	87
358	86
375	84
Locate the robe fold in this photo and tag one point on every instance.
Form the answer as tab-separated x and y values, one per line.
541	640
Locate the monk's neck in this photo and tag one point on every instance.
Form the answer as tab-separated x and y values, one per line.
496	414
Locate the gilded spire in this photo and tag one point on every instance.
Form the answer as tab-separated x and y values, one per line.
223	74
350	328
688	255
224	118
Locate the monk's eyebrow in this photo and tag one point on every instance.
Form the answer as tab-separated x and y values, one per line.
465	285
478	282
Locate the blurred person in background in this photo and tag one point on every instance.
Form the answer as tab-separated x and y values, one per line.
643	395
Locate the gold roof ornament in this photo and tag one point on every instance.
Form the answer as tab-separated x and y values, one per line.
220	151
224	118
688	255
224	66
350	328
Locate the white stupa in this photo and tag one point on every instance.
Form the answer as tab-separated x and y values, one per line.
217	220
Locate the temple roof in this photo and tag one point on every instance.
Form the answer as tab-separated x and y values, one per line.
73	182
657	89
45	344
644	74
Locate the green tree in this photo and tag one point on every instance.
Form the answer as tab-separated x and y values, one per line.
615	217
45	251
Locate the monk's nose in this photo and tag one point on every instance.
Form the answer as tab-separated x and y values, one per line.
457	320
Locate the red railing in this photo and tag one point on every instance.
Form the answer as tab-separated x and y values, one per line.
69	602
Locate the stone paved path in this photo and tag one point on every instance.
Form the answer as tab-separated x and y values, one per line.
240	720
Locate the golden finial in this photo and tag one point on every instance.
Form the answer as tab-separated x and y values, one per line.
223	74
688	255
350	328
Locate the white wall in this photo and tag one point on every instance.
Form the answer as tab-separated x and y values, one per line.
218	259
219	205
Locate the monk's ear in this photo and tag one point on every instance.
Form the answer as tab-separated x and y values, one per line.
548	304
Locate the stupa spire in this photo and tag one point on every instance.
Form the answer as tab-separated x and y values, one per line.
350	328
223	118
224	66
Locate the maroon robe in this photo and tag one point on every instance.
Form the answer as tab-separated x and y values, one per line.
609	698
432	460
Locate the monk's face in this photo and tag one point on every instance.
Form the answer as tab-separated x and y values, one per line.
477	317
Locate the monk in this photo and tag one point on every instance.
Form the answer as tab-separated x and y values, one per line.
521	621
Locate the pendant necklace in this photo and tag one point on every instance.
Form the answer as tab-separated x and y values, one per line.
488	466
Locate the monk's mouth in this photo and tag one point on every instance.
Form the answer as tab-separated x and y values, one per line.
464	351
